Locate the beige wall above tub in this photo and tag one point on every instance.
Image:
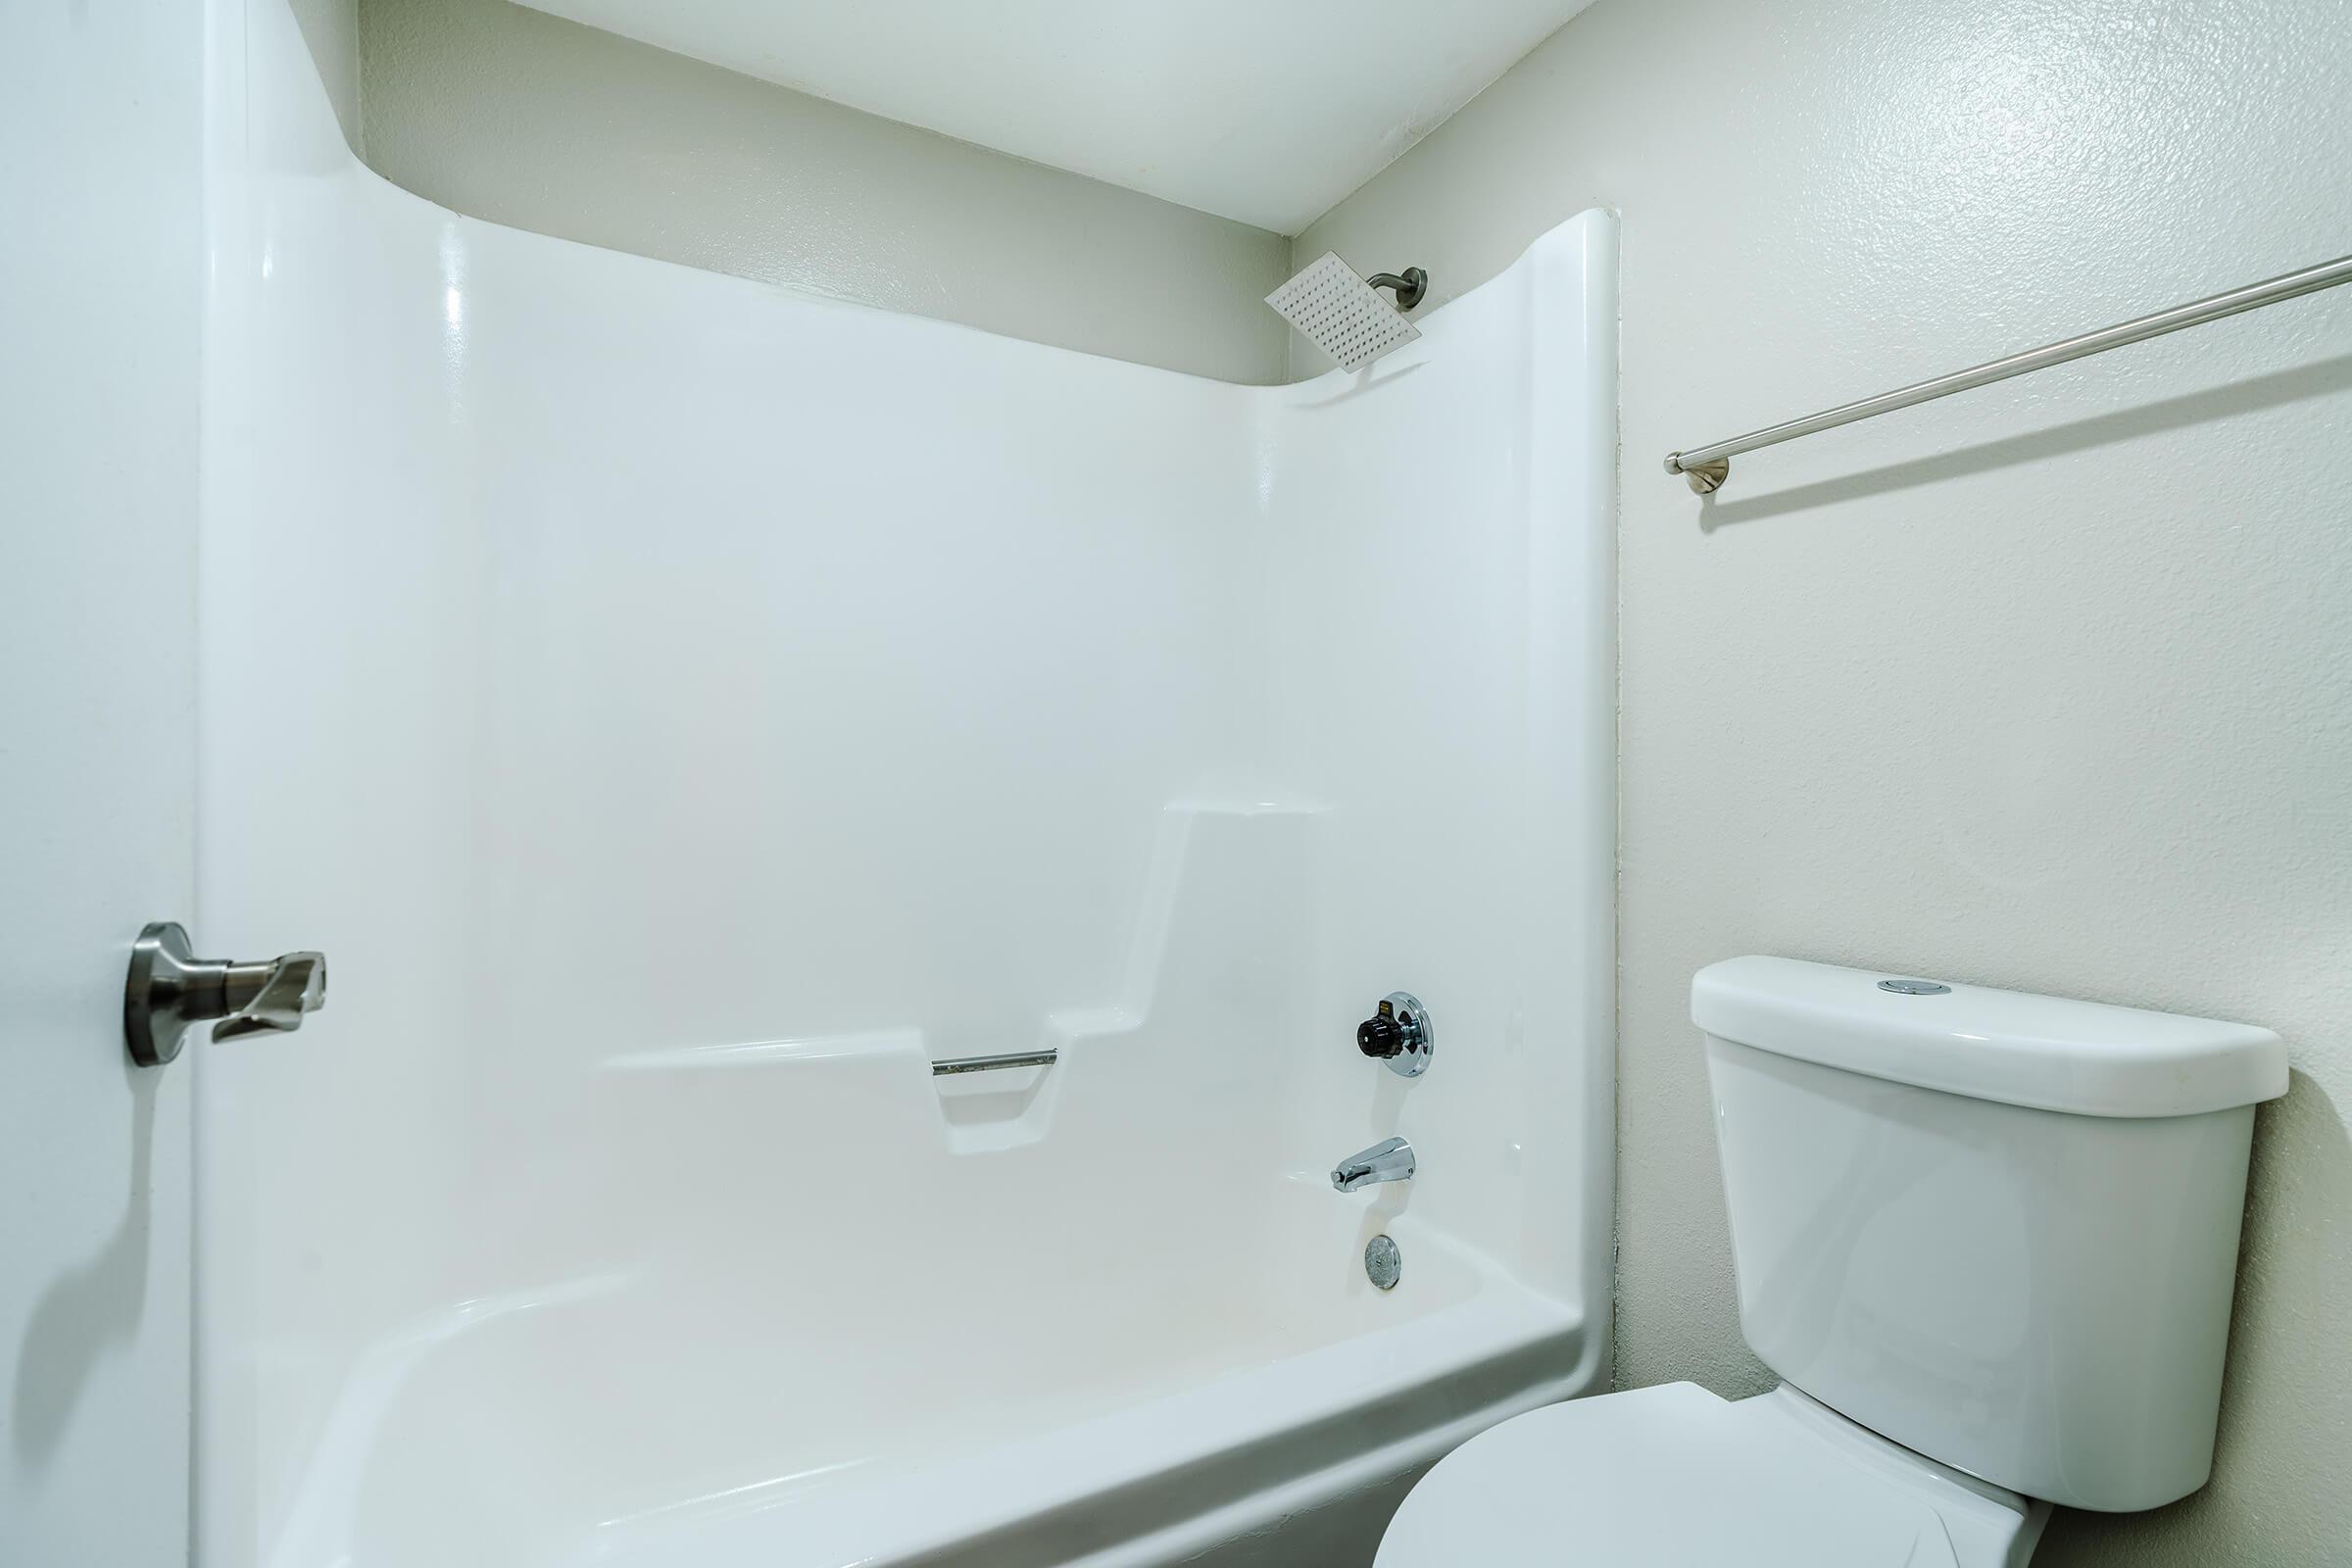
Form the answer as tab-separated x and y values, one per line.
512	114
2046	686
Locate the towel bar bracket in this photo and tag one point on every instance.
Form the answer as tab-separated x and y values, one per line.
1705	477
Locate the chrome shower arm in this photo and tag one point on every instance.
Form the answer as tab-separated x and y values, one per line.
1410	285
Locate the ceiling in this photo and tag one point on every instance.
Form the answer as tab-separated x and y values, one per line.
1264	111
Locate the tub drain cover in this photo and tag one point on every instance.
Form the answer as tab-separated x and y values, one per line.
1382	1263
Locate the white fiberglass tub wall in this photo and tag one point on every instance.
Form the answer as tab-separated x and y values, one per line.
683	710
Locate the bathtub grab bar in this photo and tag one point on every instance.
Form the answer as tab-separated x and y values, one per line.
1008	1058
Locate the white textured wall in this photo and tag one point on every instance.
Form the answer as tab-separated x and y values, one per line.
2047	686
507	114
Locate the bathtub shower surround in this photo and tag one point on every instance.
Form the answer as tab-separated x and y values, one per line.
716	706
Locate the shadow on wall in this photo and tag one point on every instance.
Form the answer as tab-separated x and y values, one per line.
2287	1381
2187	412
91	1310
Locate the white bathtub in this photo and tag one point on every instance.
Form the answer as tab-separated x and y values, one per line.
717	705
1206	1364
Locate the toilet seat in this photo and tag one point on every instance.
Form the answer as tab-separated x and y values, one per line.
1674	1476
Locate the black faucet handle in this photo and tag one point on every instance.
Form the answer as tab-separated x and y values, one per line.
1396	1033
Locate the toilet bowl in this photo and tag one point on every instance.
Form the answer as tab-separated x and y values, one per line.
1987	1240
1674	1476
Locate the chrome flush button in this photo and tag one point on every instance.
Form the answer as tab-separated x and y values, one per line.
1914	988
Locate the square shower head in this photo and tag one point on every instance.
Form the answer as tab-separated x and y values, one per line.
1340	314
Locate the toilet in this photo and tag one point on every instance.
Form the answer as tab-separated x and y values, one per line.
1987	1241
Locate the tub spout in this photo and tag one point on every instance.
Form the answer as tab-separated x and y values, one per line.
1390	1161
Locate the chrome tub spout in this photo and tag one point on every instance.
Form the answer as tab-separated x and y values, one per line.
1390	1161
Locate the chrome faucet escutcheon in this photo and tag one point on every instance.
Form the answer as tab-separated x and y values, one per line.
1399	1034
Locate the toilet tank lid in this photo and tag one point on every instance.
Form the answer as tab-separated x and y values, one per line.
2087	1059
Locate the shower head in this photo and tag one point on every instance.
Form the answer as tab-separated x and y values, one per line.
1344	314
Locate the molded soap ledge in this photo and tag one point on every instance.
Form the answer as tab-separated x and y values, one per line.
1225	893
1217	928
772	1053
985	1112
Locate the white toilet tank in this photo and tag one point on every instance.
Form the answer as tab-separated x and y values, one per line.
1999	1229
